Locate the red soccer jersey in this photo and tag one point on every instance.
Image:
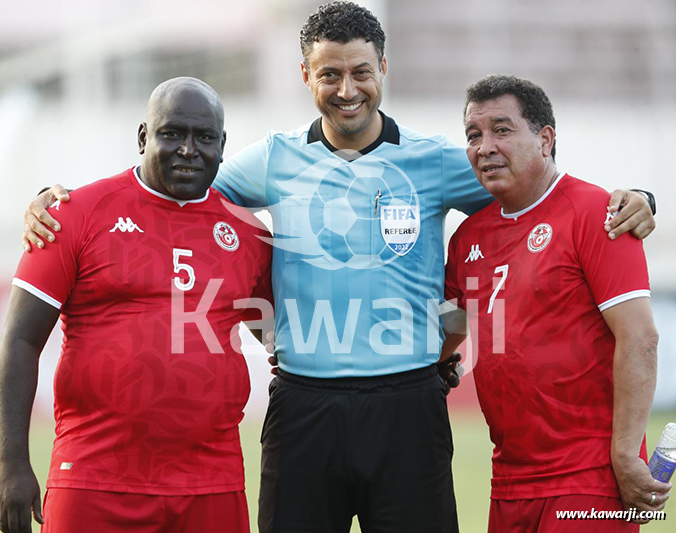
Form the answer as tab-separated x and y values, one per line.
142	404
544	378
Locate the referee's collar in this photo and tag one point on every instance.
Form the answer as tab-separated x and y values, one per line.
390	134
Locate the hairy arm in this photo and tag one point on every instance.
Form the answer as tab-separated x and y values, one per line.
634	376
27	327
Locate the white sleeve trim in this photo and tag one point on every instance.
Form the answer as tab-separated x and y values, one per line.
624	298
37	293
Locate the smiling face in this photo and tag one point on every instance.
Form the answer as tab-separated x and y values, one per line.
346	82
511	161
182	141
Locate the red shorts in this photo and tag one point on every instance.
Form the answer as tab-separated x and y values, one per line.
71	510
539	515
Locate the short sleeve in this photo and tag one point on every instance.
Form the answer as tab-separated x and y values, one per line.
616	270
50	273
462	190
242	177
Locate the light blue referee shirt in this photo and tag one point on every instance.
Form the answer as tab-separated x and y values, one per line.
358	260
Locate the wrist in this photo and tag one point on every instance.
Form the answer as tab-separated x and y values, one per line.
620	456
650	197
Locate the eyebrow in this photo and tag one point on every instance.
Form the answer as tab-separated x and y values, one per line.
495	120
336	69
179	125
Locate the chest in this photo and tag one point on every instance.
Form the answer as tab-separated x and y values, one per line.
362	214
519	264
141	254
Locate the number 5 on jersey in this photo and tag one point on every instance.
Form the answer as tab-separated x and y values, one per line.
178	267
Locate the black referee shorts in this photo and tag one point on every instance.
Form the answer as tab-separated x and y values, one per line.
379	448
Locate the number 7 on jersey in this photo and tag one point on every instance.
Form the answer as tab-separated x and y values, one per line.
504	270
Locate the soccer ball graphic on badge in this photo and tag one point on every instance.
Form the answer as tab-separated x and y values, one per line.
347	210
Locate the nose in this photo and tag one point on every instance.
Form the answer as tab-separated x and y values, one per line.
347	90
487	146
188	148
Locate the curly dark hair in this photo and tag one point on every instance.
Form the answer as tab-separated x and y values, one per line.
342	22
535	105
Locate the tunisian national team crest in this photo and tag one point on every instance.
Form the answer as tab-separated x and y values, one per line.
539	238
226	237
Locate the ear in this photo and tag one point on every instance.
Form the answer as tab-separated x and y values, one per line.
223	144
142	137
547	136
305	73
383	66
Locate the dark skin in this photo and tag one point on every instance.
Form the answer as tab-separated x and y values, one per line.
182	140
27	327
182	146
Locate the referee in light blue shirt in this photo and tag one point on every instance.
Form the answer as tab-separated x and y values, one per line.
357	422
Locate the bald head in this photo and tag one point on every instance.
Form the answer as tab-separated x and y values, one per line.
166	93
182	139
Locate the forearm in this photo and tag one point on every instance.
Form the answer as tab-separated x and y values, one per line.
455	331
634	375
18	382
453	340
27	326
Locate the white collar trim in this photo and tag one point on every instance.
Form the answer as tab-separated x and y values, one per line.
166	197
516	215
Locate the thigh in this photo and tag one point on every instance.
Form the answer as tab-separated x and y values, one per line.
522	516
540	515
304	485
69	510
402	455
224	512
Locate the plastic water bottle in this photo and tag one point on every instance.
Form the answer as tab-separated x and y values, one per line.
663	462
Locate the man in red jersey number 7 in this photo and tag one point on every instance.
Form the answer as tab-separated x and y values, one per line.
566	363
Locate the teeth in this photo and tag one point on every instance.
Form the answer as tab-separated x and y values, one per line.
183	169
350	107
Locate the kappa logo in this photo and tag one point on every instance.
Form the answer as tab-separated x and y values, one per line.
540	236
126	226
226	237
474	254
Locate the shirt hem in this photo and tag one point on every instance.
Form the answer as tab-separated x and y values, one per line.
530	494
641	293
32	289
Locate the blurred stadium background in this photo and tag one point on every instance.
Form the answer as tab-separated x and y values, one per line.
75	76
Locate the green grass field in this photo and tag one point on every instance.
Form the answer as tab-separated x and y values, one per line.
471	467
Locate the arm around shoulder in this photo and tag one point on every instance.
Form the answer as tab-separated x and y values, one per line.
38	223
635	213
